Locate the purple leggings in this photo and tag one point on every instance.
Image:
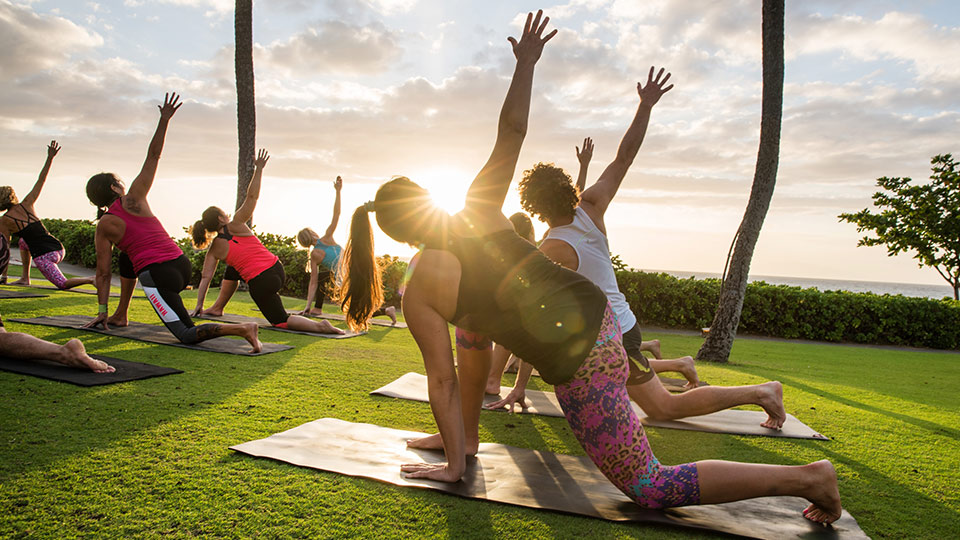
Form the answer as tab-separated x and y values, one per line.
47	264
601	416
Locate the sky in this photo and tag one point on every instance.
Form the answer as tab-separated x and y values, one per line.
370	89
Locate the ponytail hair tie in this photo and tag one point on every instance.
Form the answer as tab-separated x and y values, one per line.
369	206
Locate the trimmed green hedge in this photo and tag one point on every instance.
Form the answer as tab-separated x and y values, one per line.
77	237
658	299
796	313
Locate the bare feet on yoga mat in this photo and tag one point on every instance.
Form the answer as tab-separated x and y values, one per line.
212	312
117	320
771	399
314	312
250	334
327	328
493	388
689	371
434	442
21	281
392	313
823	494
74	354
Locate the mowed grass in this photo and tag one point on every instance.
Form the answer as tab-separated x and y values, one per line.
151	457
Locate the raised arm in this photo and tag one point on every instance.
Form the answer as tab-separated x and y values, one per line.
245	212
142	183
31	197
489	188
104	249
337	184
206	276
584	158
596	199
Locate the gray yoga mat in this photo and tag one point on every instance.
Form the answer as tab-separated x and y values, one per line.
529	478
341	317
9	293
126	371
263	323
413	386
73	290
155	334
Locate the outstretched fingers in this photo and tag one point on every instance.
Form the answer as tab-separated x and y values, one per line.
262	157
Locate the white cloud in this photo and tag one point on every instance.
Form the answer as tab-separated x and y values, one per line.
334	46
30	42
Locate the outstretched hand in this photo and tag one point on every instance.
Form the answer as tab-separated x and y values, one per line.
531	43
262	158
171	102
338	183
100	319
52	149
584	156
651	92
513	399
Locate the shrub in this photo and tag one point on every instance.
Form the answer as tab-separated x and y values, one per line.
796	313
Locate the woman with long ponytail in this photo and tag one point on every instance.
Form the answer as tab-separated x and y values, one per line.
148	252
235	243
474	271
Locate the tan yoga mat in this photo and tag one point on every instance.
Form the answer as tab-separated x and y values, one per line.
529	478
413	386
341	317
263	323
155	334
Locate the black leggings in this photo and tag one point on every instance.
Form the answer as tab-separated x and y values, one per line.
324	277
162	283
265	289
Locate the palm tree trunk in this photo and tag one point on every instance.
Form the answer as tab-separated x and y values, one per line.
246	104
719	341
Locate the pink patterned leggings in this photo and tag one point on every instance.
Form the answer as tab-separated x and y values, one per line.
598	409
47	264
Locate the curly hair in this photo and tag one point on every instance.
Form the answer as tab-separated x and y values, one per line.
8	198
546	191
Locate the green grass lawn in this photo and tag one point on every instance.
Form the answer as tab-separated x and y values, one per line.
150	457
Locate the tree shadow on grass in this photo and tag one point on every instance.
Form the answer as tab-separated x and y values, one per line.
917	422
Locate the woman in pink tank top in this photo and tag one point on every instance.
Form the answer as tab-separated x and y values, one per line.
236	244
148	252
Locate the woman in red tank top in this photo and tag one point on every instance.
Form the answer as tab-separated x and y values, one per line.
236	244
148	252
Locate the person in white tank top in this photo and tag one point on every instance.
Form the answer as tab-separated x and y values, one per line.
577	240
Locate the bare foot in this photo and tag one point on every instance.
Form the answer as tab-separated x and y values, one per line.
117	320
689	371
392	313
327	328
434	442
771	399
654	347
212	312
250	331
823	494
315	312
493	387
74	354
21	281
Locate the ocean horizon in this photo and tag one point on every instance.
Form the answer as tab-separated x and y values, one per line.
919	290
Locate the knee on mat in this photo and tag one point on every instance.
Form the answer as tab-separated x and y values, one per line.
188	336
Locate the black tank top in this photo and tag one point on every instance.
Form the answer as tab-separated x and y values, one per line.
510	292
35	235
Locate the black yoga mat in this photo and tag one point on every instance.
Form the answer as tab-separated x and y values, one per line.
263	323
45	369
529	478
73	290
413	386
155	334
9	293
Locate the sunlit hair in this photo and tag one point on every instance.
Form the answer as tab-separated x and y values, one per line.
8	198
546	191
407	214
203	230
306	237
100	191
523	226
